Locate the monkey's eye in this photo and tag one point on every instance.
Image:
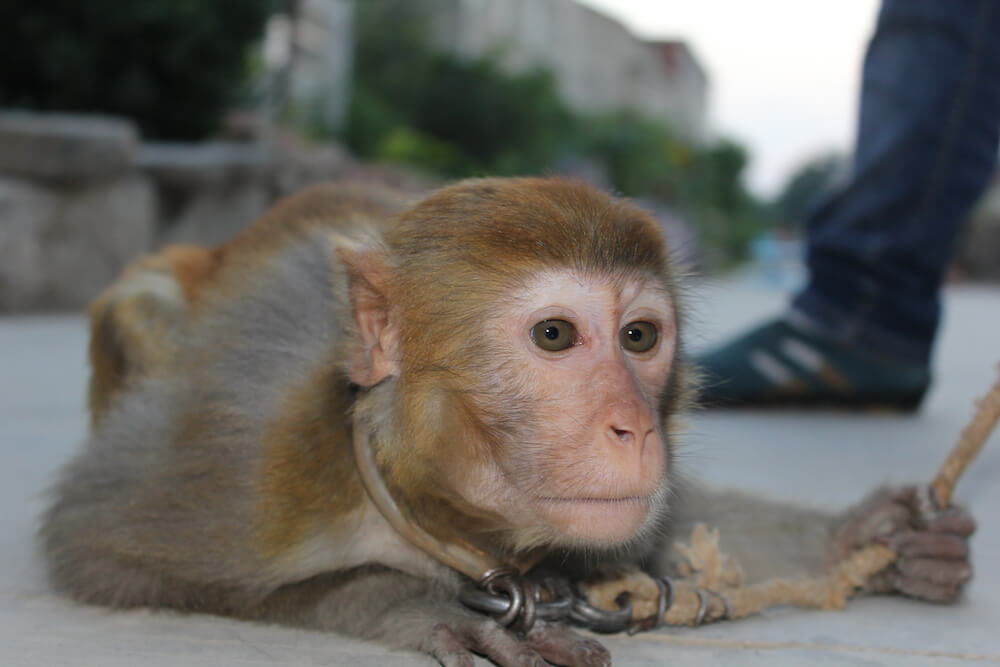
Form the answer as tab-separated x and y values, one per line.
553	335
638	336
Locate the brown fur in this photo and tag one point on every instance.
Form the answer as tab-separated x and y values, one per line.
305	452
131	334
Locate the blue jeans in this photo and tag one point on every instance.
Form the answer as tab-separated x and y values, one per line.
926	148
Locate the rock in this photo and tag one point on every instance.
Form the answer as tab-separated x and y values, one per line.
207	192
204	165
299	165
65	147
60	247
98	230
214	215
26	211
80	198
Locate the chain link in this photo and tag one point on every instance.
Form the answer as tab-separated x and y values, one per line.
517	603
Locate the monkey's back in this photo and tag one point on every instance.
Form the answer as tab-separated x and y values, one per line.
167	487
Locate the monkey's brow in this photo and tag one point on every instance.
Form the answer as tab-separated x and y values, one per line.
617	281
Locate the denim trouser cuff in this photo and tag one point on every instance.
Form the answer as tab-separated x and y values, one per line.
814	313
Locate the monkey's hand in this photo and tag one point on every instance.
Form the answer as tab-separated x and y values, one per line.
931	544
454	641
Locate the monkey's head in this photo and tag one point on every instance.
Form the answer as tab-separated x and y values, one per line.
524	333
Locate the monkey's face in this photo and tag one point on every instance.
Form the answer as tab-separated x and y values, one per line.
583	362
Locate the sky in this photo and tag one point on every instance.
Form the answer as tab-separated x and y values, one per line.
783	74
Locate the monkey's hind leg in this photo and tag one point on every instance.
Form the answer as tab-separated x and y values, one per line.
135	322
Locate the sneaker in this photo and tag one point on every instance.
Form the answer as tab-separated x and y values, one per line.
778	364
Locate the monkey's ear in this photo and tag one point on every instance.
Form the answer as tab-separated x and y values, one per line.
376	354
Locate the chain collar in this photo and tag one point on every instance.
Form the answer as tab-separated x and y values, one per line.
501	590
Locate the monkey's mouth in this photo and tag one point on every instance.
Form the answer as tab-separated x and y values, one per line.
598	500
596	519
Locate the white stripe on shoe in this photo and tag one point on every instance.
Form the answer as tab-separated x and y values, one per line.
804	355
773	370
813	361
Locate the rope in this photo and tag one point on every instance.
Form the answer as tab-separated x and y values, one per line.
972	439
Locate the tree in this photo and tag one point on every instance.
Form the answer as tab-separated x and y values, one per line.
414	103
172	65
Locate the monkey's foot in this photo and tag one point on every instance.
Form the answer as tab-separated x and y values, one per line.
781	364
546	644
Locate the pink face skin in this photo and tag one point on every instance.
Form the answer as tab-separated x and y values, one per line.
594	467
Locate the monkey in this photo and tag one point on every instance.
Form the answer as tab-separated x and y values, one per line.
511	352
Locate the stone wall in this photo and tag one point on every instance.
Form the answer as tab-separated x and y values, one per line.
81	196
73	209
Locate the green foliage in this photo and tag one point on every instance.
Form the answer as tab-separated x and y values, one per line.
408	146
637	153
452	116
704	183
487	120
457	117
172	65
505	124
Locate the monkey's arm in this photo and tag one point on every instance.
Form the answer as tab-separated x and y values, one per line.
774	539
768	538
414	613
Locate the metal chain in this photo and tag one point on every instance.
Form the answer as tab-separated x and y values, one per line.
517	603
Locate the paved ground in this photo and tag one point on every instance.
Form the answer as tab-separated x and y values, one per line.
827	458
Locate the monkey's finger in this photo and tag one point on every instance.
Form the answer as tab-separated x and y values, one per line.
950	573
926	590
906	495
561	646
881	583
878	520
504	648
954	520
921	544
446	648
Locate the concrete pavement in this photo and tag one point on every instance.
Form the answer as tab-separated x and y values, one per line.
827	459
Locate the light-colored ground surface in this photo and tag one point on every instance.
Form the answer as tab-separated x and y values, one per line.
829	458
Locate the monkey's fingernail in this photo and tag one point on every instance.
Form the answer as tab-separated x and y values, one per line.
885	529
599	656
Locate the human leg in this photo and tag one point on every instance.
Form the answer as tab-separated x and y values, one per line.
878	248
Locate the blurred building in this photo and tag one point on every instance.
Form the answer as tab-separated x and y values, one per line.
308	47
599	65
